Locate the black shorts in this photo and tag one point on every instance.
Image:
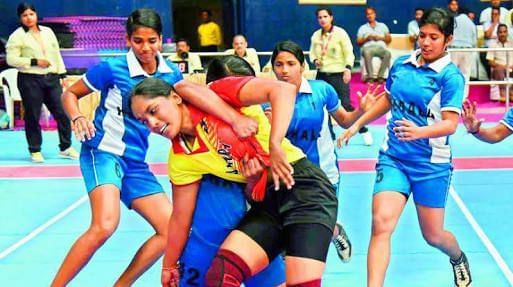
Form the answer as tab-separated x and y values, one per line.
287	218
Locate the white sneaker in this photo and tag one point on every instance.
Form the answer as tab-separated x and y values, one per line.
367	138
69	153
37	157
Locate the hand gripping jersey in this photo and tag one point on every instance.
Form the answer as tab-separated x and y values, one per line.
228	144
217	150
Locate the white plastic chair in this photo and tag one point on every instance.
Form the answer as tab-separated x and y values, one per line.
8	78
9	81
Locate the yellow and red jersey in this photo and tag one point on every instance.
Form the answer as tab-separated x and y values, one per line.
216	149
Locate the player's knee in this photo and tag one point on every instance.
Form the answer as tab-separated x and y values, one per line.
434	239
227	269
102	232
382	225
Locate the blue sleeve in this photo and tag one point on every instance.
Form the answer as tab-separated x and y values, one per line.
508	119
99	76
452	92
331	99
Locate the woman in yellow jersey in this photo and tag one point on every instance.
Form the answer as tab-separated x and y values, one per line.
289	220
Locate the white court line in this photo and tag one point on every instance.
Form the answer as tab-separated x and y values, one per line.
41	178
480	233
41	228
455	170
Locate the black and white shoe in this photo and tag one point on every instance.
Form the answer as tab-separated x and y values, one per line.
342	244
461	270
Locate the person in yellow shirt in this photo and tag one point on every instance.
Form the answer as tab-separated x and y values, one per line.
186	61
331	51
33	50
209	33
240	48
279	219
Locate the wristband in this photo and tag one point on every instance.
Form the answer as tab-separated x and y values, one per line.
76	118
33	62
177	266
348	67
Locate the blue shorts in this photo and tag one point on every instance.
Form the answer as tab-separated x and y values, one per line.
428	182
133	178
219	208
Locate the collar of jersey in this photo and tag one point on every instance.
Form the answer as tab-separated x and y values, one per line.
436	66
180	145
305	87
135	69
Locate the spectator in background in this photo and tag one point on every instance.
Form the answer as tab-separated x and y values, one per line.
33	50
490	35
373	37
331	51
209	33
187	62
240	48
498	60
490	27
465	36
472	16
413	26
486	14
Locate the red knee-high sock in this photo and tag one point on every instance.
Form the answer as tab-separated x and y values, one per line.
227	270
313	283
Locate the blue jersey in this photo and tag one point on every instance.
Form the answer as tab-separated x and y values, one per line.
420	94
508	120
117	130
220	206
308	127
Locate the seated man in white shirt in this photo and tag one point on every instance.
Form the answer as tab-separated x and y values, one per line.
373	37
501	62
187	62
240	48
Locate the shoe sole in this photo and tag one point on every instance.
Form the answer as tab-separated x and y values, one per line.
67	156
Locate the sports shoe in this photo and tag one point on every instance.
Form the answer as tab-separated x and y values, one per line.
69	153
342	244
37	157
461	269
367	138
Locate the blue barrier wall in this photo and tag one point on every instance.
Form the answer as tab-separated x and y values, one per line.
267	22
9	20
